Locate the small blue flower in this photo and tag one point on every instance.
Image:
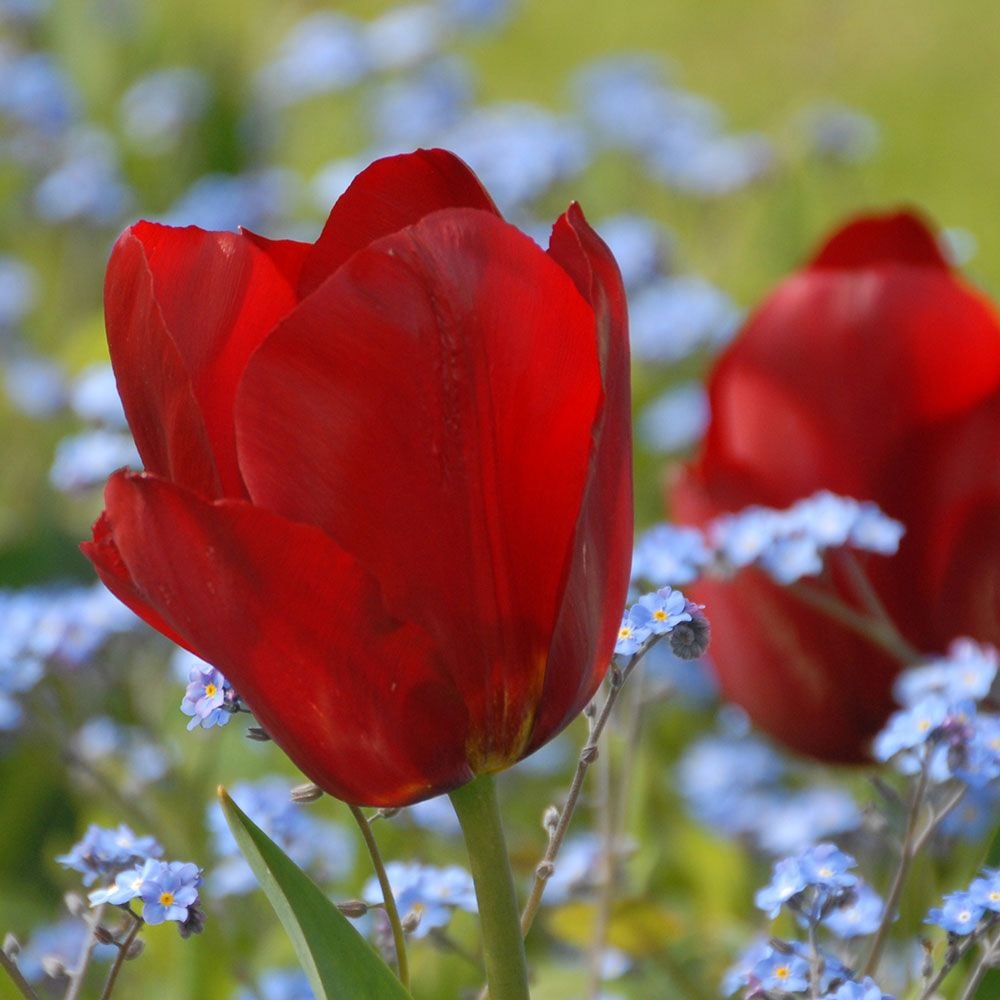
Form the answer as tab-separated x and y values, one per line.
169	890
666	608
422	106
787	560
209	698
790	821
404	36
674	317
968	671
875	531
985	890
640	245
911	727
827	866
85	460
742	538
104	852
670	554
858	917
94	396
127	885
786	972
433	894
519	151
156	108
977	761
787	881
18	290
739	973
867	989
633	632
960	914
323	53
35	386
676	419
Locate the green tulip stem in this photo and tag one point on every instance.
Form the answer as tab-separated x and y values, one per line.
503	947
388	899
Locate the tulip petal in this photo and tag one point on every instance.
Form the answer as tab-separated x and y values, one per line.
354	697
159	403
967	599
598	575
202	302
867	356
900	238
424	411
103	553
387	196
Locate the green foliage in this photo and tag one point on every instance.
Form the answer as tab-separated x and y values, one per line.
337	960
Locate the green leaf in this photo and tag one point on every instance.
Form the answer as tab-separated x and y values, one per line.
337	960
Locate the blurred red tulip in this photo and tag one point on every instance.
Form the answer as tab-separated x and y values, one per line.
873	372
388	474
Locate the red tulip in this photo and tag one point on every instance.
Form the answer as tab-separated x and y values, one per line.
388	475
873	372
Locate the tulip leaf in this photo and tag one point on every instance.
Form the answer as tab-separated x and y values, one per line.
336	959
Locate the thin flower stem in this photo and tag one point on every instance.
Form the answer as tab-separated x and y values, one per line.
870	599
79	973
874	630
906	855
605	872
503	947
814	962
930	990
587	756
10	967
388	899
123	949
986	962
920	840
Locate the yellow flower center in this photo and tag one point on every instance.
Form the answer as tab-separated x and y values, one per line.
166	898
210	690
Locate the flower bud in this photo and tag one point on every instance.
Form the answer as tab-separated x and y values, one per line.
689	640
306	793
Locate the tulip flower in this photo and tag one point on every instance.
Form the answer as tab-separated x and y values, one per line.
387	486
873	372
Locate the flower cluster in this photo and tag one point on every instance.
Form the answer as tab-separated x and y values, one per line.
666	612
970	910
168	890
771	969
51	626
103	853
942	726
786	544
427	896
817	886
